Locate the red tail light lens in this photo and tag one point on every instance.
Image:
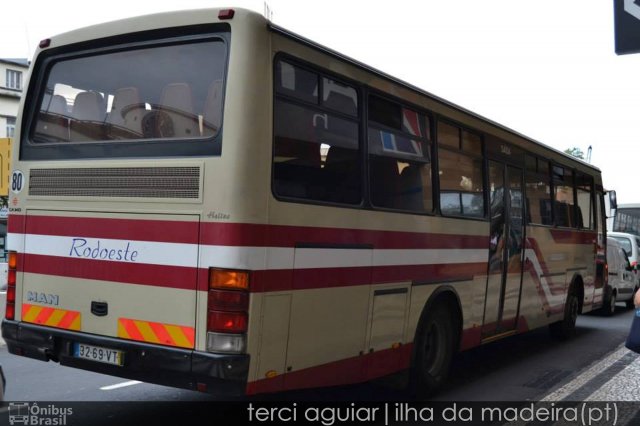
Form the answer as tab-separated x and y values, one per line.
227	322
10	311
223	300
226	14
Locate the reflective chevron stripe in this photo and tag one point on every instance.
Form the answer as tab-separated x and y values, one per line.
52	317
155	332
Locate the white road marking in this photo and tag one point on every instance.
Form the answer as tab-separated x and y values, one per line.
585	375
120	385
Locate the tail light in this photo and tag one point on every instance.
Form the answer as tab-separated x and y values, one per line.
12	265
227	310
226	14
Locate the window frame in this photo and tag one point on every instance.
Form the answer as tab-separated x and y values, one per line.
14	79
591	226
358	119
427	141
482	158
549	181
11	126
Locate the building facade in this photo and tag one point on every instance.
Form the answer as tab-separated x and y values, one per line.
12	78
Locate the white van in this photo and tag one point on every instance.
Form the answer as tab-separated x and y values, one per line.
631	245
622	281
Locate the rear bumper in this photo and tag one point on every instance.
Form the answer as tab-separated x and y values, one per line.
222	374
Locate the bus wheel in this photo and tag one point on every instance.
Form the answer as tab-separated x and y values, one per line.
435	346
609	302
566	327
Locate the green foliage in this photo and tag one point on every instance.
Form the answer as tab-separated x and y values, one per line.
575	151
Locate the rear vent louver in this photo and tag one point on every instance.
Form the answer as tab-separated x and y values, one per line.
147	182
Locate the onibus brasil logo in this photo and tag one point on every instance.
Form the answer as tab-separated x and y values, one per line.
26	413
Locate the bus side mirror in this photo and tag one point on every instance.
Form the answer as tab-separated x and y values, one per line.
613	200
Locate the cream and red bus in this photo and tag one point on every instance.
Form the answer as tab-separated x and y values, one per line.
206	200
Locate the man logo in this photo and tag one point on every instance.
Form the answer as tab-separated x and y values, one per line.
43	298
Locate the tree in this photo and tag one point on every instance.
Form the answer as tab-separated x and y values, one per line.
575	151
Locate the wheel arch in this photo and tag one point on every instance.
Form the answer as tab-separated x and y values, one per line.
577	285
447	295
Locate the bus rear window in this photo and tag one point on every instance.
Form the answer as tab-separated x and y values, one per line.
162	92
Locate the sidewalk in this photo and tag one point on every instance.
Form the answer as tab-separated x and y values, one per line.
614	378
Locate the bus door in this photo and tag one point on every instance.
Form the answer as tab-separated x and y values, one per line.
504	278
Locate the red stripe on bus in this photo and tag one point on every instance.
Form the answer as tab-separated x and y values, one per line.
243	234
155	275
429	273
305	279
127	229
237	234
342	372
261	281
15	223
565	236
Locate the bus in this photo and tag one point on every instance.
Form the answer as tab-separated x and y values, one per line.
205	200
627	218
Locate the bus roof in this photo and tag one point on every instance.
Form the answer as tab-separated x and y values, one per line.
198	16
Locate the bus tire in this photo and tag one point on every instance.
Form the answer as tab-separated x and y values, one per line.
436	341
566	327
609	302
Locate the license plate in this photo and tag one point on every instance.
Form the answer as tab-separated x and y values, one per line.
98	354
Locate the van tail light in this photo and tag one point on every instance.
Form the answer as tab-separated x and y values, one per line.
227	310
12	268
225	14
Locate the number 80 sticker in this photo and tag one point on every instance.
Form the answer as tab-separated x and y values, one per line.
17	181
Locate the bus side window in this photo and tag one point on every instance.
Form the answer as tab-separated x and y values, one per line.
341	175
538	186
563	198
316	144
460	164
399	157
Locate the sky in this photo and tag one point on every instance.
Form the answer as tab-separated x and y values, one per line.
546	69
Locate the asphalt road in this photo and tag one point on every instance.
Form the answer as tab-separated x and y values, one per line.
525	367
529	367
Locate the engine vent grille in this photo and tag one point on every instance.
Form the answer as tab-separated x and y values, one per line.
147	182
